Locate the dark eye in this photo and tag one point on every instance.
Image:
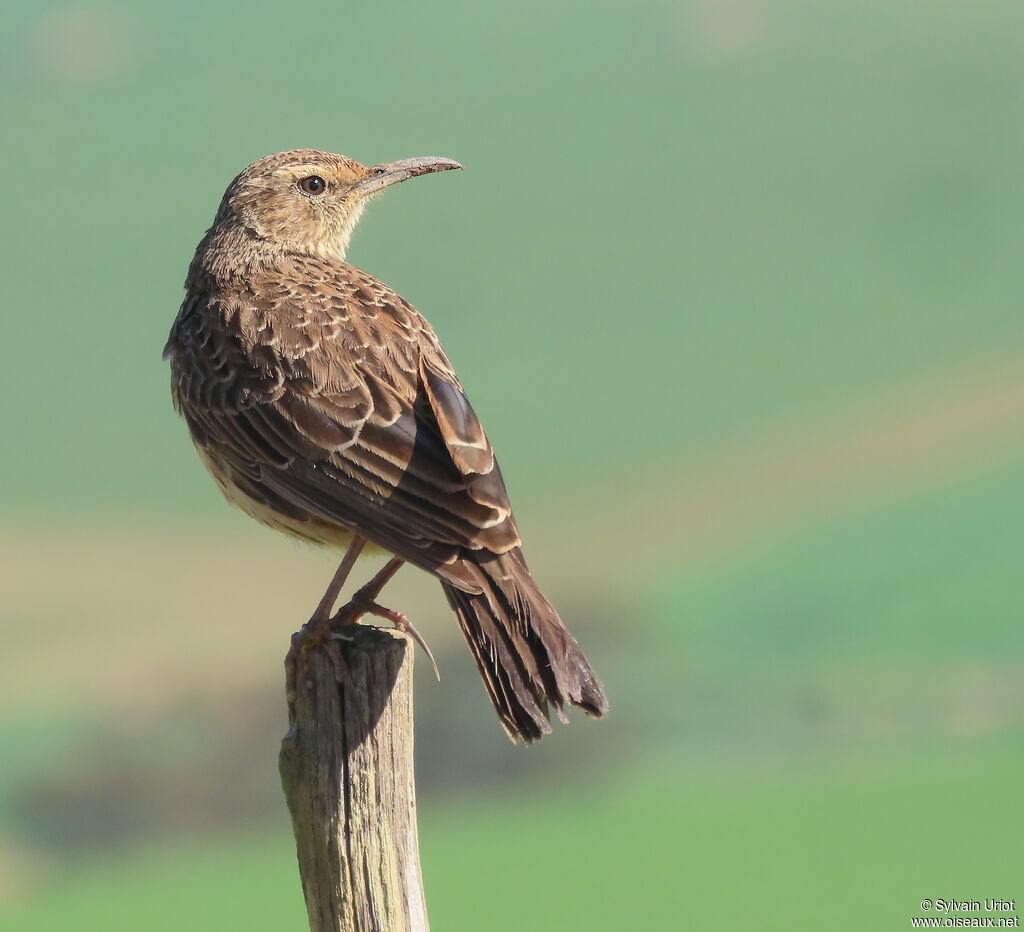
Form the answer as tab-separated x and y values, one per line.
313	184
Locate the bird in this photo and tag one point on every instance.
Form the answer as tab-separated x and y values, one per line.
324	406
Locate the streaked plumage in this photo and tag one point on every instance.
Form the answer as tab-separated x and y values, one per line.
324	406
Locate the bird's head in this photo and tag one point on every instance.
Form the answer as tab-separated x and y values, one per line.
308	202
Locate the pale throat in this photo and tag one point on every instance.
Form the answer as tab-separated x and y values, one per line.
336	246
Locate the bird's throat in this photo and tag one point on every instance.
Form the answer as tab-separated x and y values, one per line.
338	247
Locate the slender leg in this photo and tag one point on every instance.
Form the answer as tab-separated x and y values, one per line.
323	610
366	595
317	631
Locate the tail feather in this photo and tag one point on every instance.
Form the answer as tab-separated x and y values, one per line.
526	656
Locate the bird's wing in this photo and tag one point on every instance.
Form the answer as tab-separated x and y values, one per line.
337	401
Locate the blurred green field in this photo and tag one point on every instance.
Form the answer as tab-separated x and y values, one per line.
735	288
764	850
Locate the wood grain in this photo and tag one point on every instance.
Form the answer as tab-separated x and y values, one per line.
347	769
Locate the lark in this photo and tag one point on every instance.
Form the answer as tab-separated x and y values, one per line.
323	405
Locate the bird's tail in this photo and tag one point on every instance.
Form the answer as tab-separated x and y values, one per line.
526	656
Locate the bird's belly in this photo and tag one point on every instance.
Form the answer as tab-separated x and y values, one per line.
301	525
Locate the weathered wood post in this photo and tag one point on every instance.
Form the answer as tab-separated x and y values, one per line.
347	770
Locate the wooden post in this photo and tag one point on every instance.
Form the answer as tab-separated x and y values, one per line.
347	770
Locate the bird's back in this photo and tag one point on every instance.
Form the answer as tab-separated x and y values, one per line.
314	389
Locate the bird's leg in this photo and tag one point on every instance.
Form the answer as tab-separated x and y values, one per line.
317	631
323	610
365	596
364	603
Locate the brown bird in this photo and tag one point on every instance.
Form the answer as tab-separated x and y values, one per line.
323	405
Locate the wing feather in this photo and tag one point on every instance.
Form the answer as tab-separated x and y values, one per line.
372	432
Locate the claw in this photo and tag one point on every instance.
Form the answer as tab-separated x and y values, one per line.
402	623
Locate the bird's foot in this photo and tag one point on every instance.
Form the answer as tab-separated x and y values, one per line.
362	604
402	623
317	632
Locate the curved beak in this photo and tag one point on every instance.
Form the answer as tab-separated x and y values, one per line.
380	176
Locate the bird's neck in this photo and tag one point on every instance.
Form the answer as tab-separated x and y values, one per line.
232	251
228	252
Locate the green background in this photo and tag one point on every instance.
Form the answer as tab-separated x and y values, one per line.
735	287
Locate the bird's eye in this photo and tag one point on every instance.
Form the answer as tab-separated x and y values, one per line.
313	184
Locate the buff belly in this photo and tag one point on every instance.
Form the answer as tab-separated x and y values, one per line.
306	527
